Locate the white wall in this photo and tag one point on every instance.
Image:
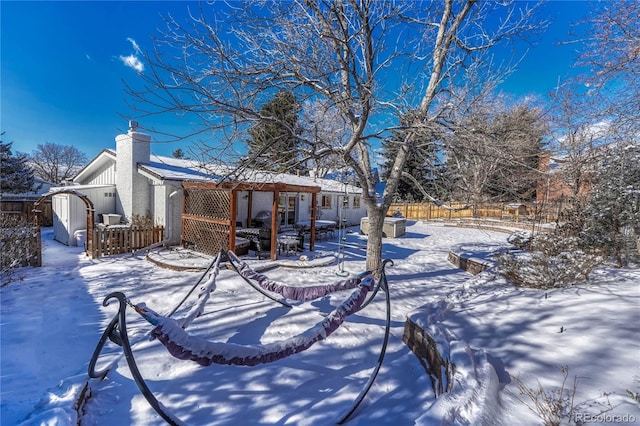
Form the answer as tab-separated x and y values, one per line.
167	210
104	176
134	191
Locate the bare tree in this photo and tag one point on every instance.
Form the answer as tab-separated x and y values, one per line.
575	135
57	163
370	60
324	129
494	150
612	57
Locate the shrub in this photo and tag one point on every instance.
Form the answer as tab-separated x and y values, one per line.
558	406
521	239
16	244
554	261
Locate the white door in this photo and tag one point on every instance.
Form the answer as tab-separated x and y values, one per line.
60	205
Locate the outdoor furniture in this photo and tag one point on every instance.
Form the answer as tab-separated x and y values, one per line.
248	233
323	227
287	243
263	243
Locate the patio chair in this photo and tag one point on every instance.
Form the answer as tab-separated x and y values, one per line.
263	243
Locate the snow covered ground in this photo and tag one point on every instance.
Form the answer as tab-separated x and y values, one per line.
53	318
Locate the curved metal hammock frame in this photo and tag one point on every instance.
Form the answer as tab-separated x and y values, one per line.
183	346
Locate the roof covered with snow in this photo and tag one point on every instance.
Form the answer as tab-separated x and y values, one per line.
166	169
176	169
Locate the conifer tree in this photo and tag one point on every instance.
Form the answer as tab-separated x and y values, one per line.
273	145
613	212
422	163
15	175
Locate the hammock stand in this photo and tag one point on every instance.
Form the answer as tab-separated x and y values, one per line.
171	333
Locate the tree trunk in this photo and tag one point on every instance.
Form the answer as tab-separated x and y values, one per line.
374	241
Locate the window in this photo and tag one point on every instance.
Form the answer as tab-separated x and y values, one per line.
356	202
326	202
345	202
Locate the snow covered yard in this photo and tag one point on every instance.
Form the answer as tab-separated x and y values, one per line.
53	318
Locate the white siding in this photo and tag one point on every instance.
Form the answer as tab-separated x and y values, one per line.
105	175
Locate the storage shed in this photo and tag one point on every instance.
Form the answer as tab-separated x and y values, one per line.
71	213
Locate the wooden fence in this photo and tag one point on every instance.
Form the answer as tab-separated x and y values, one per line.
24	207
499	211
112	240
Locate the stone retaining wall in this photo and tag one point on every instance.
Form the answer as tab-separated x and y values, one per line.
425	347
473	266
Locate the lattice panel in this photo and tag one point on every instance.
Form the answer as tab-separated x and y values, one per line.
209	203
204	237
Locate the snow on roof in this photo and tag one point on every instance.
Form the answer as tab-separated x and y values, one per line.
79	188
179	169
169	168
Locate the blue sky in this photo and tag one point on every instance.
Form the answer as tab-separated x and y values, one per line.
62	66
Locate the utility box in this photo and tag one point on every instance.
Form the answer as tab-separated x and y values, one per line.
393	227
111	219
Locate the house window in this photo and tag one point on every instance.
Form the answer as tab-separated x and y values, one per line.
356	202
326	202
345	202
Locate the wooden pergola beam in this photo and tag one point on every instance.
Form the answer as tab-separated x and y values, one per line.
275	188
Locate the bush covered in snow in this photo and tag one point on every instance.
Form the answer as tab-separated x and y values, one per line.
521	239
554	261
17	238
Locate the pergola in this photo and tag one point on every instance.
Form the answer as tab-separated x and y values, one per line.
215	210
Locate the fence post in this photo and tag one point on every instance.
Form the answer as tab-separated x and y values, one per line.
38	248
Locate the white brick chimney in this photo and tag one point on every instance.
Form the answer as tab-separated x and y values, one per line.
133	189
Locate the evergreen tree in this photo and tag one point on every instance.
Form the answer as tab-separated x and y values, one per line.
15	175
519	132
273	144
422	163
613	212
178	153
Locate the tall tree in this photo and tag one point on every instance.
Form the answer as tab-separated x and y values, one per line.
15	175
613	211
178	153
348	53
575	134
57	163
494	150
423	163
323	129
274	144
611	57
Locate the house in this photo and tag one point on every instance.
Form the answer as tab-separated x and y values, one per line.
553	185
131	182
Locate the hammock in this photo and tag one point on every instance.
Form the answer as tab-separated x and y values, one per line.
301	294
183	346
